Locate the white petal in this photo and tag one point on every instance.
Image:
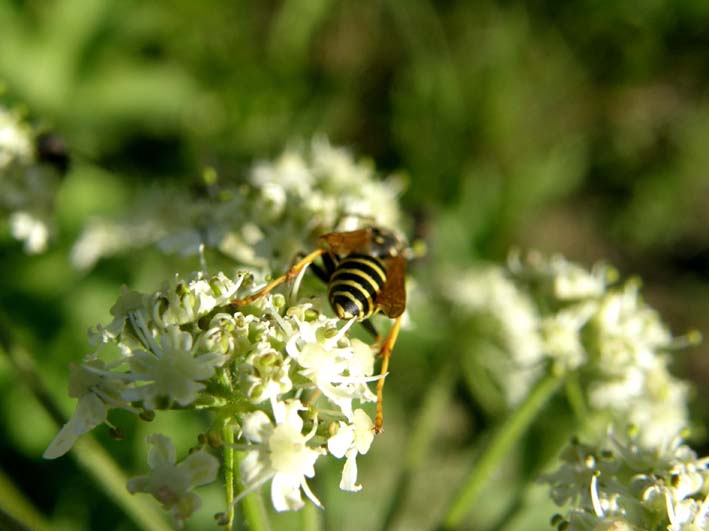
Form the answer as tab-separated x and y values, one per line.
309	493
363	431
62	442
186	505
257	426
339	443
90	412
279	411
201	466
252	466
140	484
211	360
285	493
180	340
349	473
162	451
291	415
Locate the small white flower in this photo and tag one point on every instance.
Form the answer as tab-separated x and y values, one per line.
129	303
565	280
31	229
171	482
269	375
626	486
350	440
97	390
573	282
628	327
220	335
182	302
90	412
173	373
561	335
280	453
281	210
289	172
15	140
340	373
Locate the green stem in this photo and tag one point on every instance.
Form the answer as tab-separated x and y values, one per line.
312	520
254	512
228	446
10	523
507	435
520	501
575	397
425	427
229	476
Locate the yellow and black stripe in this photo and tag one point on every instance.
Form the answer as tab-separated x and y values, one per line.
354	286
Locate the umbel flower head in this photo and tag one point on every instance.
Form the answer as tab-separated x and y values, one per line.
289	379
546	314
623	485
276	211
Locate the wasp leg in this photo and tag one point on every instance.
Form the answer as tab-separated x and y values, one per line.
320	273
385	354
369	327
289	275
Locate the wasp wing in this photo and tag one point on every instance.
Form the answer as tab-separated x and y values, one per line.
391	300
344	243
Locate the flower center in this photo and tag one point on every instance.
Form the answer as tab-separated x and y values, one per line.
289	454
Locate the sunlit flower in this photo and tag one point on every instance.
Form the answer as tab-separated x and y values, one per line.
565	280
181	302
281	454
270	376
340	372
280	210
350	440
15	140
561	335
551	315
624	485
173	372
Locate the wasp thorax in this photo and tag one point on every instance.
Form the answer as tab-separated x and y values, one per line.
385	243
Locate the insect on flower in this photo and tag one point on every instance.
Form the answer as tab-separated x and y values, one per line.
365	271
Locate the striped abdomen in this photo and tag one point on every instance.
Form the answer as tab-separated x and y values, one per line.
354	286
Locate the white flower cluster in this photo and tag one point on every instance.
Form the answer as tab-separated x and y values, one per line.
27	188
280	210
550	314
289	377
624	486
506	321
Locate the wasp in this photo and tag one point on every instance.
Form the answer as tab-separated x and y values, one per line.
365	271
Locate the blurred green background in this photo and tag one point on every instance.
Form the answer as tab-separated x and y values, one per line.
578	127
